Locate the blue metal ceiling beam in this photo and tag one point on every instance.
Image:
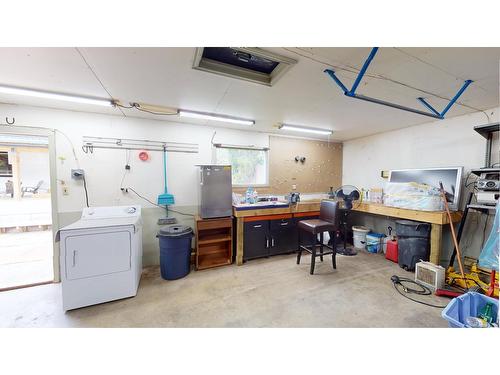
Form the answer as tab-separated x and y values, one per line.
363	71
431	108
352	92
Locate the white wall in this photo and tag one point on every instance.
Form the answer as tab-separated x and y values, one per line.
449	142
104	168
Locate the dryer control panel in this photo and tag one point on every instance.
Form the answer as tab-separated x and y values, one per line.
111	212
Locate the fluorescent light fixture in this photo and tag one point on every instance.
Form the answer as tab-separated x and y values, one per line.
304	129
221	118
155	109
55	96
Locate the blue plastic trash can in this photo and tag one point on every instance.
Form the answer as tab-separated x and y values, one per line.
469	304
175	251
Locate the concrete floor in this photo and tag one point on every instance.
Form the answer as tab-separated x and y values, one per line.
273	292
25	258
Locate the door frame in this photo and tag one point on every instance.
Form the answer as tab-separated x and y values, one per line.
51	136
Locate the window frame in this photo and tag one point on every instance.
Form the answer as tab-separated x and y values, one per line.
250	148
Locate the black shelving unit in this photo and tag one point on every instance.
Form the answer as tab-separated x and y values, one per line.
487	131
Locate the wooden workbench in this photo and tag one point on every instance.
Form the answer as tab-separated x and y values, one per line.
310	208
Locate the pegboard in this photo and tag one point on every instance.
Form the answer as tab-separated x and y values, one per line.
321	169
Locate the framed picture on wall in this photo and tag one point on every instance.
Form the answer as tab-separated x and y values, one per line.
5	167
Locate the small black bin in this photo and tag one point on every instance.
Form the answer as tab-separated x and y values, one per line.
175	251
413	242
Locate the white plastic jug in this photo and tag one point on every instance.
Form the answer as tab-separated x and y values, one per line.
359	236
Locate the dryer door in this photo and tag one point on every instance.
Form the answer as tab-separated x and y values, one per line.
89	255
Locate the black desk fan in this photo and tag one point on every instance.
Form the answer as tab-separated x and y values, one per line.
351	197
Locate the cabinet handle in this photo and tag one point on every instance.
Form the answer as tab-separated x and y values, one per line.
272	241
74	258
267	243
258	226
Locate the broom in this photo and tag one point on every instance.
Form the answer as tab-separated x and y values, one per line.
165	199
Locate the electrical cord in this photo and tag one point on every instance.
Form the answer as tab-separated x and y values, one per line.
154	204
127	157
86	192
423	291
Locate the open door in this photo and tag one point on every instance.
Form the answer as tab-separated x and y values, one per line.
26	236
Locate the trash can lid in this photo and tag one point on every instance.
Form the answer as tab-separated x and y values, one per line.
175	230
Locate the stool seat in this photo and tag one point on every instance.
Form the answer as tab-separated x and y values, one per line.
327	222
316	226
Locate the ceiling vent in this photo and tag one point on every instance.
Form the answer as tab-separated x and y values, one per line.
249	64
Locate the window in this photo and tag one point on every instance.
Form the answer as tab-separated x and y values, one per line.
249	166
5	167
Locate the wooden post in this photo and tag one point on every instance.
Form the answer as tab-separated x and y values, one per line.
436	243
239	241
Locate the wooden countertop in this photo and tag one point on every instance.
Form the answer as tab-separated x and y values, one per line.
306	206
434	217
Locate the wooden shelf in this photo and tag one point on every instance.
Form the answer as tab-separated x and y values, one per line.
214	242
213	248
213	238
212	260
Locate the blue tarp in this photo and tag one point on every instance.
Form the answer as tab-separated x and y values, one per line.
489	254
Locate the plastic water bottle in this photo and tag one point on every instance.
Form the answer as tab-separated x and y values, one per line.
250	198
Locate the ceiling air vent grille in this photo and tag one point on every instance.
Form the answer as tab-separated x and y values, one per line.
250	64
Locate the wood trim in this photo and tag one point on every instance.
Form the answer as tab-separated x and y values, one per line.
267	217
261	211
214	223
26	286
433	217
304	214
239	241
436	243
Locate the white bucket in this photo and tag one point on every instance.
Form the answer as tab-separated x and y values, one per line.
359	236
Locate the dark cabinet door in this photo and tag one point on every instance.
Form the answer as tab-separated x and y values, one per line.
256	240
284	236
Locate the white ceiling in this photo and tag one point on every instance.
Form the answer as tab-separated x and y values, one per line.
303	96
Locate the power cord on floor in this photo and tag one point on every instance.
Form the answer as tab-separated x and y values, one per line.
423	291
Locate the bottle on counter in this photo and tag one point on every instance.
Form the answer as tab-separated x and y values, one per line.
251	195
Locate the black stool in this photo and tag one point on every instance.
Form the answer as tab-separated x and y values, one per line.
327	222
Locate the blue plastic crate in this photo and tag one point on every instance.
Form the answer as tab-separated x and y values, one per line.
374	242
468	304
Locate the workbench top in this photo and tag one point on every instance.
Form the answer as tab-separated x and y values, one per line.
306	206
434	217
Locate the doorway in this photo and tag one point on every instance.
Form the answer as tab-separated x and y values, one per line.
26	236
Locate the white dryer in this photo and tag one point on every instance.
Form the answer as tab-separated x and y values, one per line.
101	256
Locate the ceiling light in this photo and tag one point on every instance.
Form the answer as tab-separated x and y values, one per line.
55	96
305	129
155	109
222	118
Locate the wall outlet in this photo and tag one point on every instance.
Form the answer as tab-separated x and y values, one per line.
65	190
